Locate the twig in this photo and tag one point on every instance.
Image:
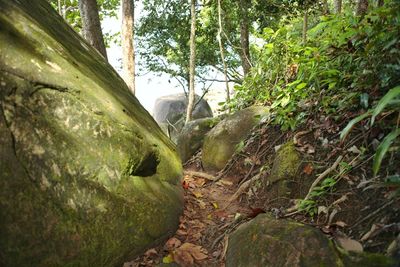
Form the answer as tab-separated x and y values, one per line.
373	213
241	189
201	174
322	176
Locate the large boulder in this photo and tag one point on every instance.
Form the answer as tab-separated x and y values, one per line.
268	242
284	181
170	113
222	141
87	178
171	108
191	137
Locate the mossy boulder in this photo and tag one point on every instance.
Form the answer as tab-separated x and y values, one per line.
268	242
87	178
192	136
222	141
284	172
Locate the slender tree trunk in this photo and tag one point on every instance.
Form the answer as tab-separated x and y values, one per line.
91	28
192	63
59	8
325	7
244	35
362	7
128	49
338	6
221	49
305	26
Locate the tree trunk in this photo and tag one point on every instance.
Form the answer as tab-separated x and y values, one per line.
325	7
244	35
305	26
91	28
338	6
192	63
128	49
362	7
221	48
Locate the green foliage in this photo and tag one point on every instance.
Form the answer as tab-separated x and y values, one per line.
310	206
346	58
389	102
69	10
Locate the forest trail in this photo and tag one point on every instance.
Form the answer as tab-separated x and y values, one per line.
210	214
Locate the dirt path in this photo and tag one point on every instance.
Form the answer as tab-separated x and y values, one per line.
207	219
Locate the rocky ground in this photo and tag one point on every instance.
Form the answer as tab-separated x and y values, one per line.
353	212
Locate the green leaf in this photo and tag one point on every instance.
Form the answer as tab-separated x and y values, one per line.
382	149
301	86
285	100
364	100
393	180
393	93
351	124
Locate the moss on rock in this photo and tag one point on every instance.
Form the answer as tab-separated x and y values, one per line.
266	241
191	137
87	177
221	142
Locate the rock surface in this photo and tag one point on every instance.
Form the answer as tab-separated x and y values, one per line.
171	108
268	242
192	136
222	141
285	177
87	178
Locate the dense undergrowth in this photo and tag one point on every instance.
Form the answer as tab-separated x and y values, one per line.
344	70
347	62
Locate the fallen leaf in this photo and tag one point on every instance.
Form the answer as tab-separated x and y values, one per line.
201	204
185	185
322	209
255	211
197	252
215	205
225	182
350	244
354	150
197	194
200	182
340	224
308	169
172	244
181	232
168	259
151	252
310	149
183	258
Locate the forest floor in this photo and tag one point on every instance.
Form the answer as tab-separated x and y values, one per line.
357	212
210	214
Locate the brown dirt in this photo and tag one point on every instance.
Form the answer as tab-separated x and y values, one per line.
205	223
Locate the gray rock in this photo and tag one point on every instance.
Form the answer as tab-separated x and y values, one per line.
171	108
192	136
221	142
87	177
